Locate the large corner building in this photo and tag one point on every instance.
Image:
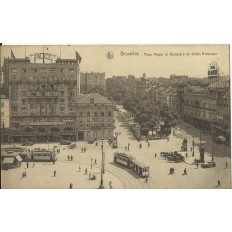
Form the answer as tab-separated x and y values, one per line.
42	98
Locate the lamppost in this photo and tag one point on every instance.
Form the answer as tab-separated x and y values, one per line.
193	154
102	169
212	149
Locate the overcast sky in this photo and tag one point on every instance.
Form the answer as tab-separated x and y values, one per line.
133	60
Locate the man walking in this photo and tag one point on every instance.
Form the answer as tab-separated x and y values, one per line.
226	165
185	171
86	171
95	162
219	184
54	172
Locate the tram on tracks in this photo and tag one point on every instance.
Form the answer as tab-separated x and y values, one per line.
42	156
132	163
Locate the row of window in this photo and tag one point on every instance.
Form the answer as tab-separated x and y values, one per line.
43	78
42	110
95	114
50	119
95	125
43	70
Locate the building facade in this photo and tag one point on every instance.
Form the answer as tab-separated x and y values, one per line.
5	117
95	117
42	98
89	81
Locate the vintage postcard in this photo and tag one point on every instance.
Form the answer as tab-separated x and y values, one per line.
115	117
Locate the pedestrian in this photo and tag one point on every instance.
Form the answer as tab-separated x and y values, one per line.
25	174
146	178
110	184
22	174
79	168
226	165
53	161
71	157
86	171
81	149
155	155
170	171
71	186
95	161
125	148
33	165
68	157
148	144
140	145
173	171
54	172
219	184
89	175
84	149
186	155
27	164
197	165
185	171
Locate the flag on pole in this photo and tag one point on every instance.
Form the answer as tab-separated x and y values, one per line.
12	54
78	57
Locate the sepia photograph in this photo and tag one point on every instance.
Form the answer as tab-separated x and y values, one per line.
115	117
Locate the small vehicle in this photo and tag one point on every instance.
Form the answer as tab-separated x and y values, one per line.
91	141
65	142
210	164
219	139
27	143
72	146
154	137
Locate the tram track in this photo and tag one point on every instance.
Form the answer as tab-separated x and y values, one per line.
127	181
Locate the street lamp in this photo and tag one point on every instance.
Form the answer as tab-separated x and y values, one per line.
102	169
212	149
193	146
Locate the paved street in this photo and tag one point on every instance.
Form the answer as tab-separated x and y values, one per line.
42	175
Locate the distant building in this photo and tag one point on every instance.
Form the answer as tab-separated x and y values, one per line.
89	81
95	117
209	107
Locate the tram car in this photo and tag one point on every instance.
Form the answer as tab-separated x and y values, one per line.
123	159
42	156
130	161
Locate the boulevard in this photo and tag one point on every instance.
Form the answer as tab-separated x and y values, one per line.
41	175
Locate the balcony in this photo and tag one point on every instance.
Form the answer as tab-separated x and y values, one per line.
42	123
